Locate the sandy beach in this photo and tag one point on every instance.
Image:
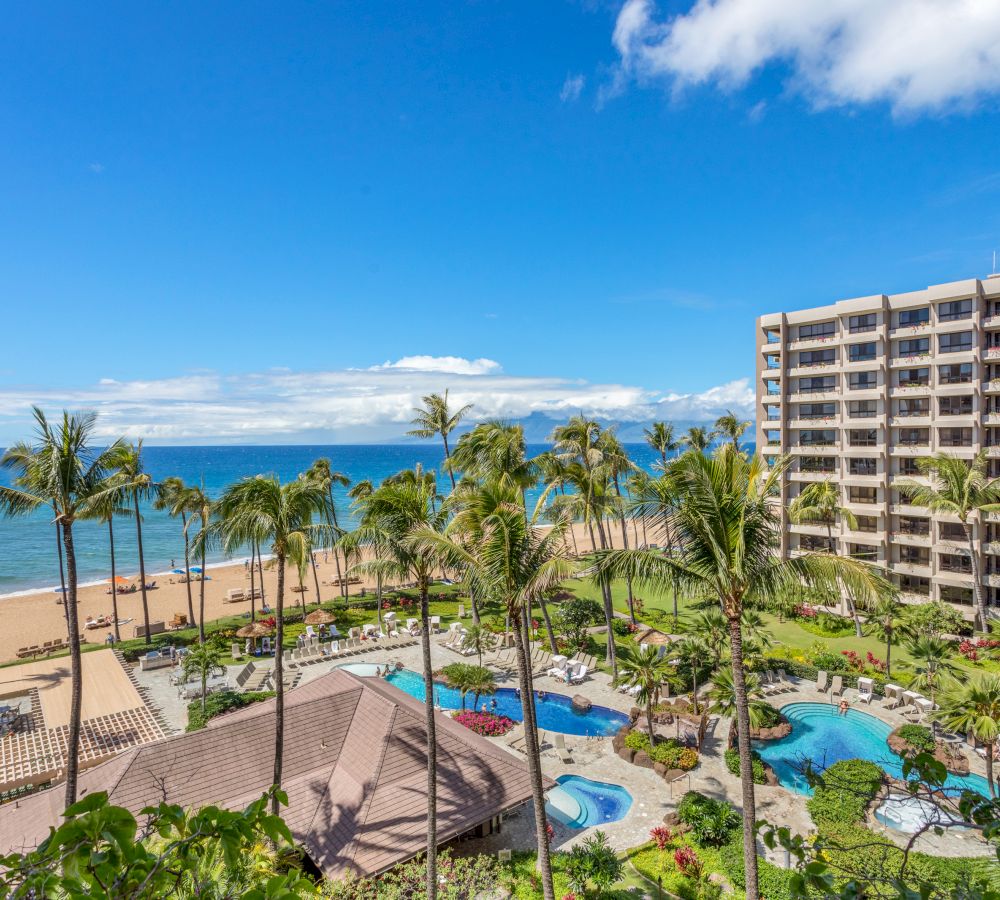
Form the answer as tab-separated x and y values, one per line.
38	617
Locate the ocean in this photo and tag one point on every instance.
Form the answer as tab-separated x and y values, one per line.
28	558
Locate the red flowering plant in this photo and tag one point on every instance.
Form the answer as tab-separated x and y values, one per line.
268	621
804	612
854	660
877	664
662	836
485	723
687	861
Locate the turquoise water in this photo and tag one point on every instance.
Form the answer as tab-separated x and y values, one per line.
579	802
822	735
554	712
28	558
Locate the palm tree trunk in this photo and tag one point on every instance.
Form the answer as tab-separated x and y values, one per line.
425	650
114	582
62	571
204	690
746	759
989	768
628	578
187	567
260	575
475	606
279	681
649	719
694	685
336	533
142	569
312	559
201	592
977	585
548	623
447	459
76	683
534	768
302	594
888	652
252	585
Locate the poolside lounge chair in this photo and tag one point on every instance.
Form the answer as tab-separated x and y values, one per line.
235	651
310	631
822	680
578	674
866	690
559	670
786	680
837	686
561	749
767	685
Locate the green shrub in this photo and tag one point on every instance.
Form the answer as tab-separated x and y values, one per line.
637	740
848	786
222	702
918	738
711	821
672	753
621	627
774	882
827	625
769	716
732	756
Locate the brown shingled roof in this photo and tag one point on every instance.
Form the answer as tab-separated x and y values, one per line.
355	771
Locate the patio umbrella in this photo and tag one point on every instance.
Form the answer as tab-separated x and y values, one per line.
254	630
320	617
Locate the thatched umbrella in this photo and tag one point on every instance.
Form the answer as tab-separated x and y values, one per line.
255	630
320	617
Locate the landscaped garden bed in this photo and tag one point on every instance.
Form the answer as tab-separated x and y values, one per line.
909	740
668	757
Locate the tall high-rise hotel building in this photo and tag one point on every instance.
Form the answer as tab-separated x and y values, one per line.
857	392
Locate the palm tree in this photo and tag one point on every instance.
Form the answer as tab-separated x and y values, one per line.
61	470
660	437
617	464
263	510
698	439
203	661
723	696
959	488
172	495
476	637
692	649
105	510
394	513
819	503
974	707
711	627
728	530
328	478
138	486
933	661
509	559
729	425
435	418
885	619
467	679
647	669
200	507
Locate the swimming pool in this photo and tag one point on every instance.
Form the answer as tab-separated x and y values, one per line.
578	802
554	712
821	734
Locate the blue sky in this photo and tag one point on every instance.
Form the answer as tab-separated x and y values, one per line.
217	218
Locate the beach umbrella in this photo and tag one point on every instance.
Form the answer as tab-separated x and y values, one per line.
118	579
320	617
196	569
177	572
254	630
60	590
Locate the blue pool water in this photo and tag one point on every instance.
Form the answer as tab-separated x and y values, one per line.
554	713
821	734
579	802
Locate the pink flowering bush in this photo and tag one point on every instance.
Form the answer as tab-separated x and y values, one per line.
485	723
970	649
804	612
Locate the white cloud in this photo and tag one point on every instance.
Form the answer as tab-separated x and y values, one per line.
455	365
348	404
96	167
572	88
915	55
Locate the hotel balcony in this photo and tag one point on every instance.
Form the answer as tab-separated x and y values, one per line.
813	449
991	418
813	396
817	343
991	353
923	420
990	323
804	528
991	580
906	509
864	537
824	422
771	398
993	452
814	371
991	387
992	547
954	577
910	390
913	359
911	568
911	539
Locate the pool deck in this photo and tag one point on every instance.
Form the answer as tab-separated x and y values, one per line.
594	758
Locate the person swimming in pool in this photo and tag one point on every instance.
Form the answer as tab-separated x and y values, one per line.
541	695
493	705
844	707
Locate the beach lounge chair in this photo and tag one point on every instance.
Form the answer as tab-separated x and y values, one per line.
558	670
767	685
837	686
579	673
786	680
435	623
235	651
822	680
561	749
310	631
866	690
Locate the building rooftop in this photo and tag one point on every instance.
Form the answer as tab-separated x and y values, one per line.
355	771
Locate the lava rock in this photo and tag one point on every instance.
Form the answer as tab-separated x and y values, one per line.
626	753
581	703
642	759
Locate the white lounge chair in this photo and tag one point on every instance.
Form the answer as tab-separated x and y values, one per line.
837	686
866	690
822	680
578	674
560	744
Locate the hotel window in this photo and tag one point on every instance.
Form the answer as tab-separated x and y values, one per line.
817	410
916	556
825	465
859	324
818	385
862	495
913	406
863	381
773	388
773	337
955	343
914	377
951	531
955	373
861	352
773	413
863	551
955	437
862	437
908	467
772	437
773	361
954	562
815	543
822	438
820	330
863	466
913	346
910	317
914	526
817	357
954	309
952	594
913	437
866	523
915	584
862	409
955	406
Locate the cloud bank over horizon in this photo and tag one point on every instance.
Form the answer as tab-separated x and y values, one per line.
349	405
917	56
